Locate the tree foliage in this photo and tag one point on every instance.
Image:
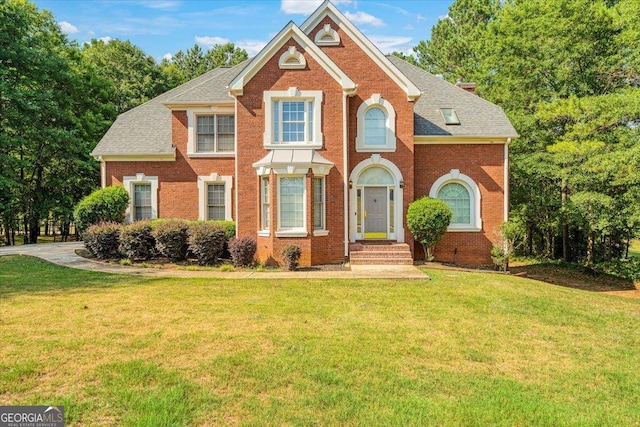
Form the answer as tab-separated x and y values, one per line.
567	74
428	219
103	205
185	66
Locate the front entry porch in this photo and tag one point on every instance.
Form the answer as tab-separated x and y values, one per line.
379	252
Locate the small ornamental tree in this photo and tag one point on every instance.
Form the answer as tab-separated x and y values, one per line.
104	205
428	220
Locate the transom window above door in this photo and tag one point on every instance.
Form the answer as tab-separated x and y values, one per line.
292	118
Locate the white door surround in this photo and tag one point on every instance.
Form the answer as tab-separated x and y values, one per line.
368	179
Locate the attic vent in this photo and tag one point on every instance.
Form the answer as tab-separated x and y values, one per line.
450	116
292	60
327	36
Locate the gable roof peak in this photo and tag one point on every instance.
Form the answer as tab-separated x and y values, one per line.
290	31
327	8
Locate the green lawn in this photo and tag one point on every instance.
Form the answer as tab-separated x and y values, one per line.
461	349
634	249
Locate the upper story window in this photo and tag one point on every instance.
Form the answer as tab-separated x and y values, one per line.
292	60
211	131
292	118
215	133
327	36
376	125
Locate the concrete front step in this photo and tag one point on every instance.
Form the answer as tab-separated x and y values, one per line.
380	253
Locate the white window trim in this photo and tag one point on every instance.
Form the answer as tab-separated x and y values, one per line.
474	193
321	38
321	231
192	130
214	178
378	102
128	182
293	232
293	94
292	53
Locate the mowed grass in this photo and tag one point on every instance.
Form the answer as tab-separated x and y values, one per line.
634	249
461	349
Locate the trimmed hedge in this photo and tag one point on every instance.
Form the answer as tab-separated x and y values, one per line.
103	240
171	238
137	242
290	257
104	205
206	241
242	250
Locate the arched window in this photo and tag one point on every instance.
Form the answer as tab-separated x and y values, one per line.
376	126
375	129
462	195
457	197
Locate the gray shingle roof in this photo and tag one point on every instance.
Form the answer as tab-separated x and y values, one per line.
146	129
478	117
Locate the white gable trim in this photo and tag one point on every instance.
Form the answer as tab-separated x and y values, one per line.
328	9
290	31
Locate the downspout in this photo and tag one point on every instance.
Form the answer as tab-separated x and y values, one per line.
345	172
103	172
235	161
506	179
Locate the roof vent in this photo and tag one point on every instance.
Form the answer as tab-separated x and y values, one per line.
468	86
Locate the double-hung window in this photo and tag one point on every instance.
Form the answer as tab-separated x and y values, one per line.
293	118
265	206
215	202
293	122
215	133
142	201
318	204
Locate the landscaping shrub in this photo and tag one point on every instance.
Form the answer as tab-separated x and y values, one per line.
290	256
242	251
103	240
229	228
104	205
137	242
206	241
428	220
171	238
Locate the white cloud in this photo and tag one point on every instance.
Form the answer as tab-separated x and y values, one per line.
388	44
420	18
91	33
167	56
304	7
67	27
408	27
211	41
364	18
106	39
160	4
253	47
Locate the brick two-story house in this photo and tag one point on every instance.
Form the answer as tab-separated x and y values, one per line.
322	141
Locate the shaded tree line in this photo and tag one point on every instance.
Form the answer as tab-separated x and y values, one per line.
57	99
567	73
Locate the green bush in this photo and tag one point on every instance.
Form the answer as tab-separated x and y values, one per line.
103	240
628	269
428	220
137	242
242	250
104	205
206	241
171	238
290	257
229	228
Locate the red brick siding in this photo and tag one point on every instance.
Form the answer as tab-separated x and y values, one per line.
483	164
178	180
371	79
251	126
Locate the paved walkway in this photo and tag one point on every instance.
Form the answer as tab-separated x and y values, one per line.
65	254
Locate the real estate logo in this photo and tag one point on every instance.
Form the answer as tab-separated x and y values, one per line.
31	416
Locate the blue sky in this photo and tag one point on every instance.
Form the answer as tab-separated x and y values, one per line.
162	27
